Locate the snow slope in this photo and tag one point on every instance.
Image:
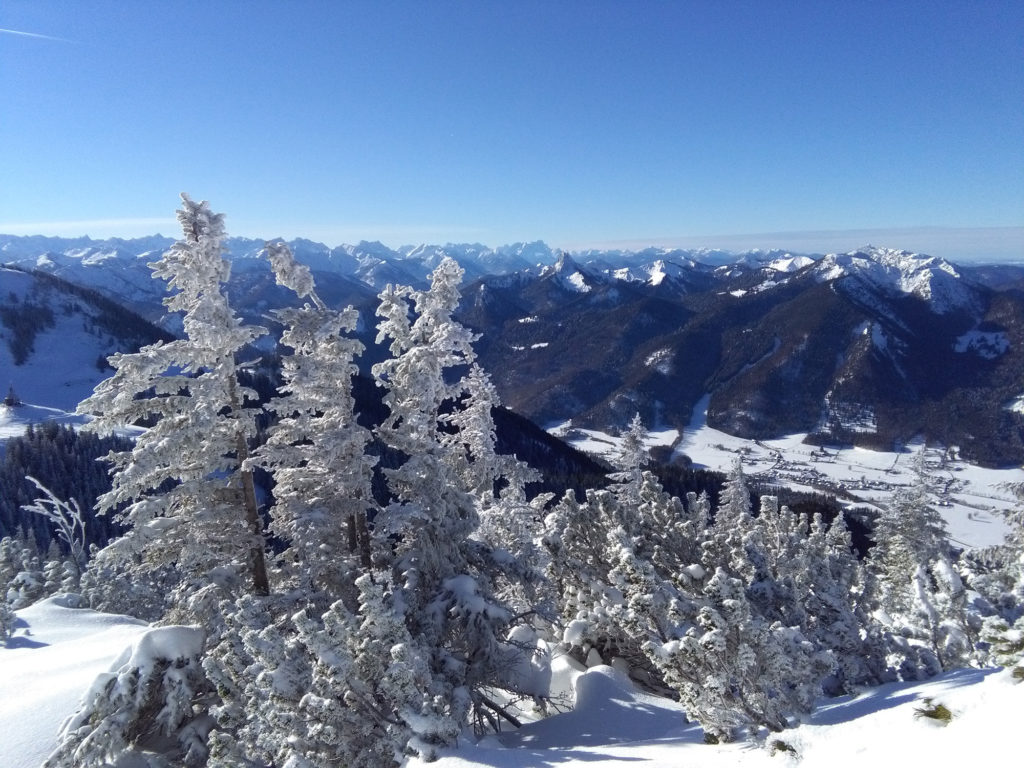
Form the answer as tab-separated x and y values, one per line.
14	420
614	726
54	656
57	652
901	272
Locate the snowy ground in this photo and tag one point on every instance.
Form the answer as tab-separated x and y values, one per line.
57	652
54	656
616	726
13	420
970	497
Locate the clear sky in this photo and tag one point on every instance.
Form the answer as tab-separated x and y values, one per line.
579	123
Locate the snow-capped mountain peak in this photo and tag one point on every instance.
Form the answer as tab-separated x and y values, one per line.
901	272
653	273
570	275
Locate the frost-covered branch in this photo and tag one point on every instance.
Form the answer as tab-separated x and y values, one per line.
67	518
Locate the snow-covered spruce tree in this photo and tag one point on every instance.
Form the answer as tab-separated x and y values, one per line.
1006	643
715	630
581	556
27	586
921	597
442	586
7	620
183	488
117	582
732	669
611	559
316	451
632	455
259	673
831	588
371	686
146	707
615	561
13	557
726	545
497	483
338	688
775	548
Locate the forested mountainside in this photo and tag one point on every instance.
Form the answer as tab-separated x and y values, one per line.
874	348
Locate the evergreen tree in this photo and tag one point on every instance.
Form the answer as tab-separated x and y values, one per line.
733	523
443	581
732	669
184	487
147	704
831	586
7	620
632	455
498	484
316	451
921	595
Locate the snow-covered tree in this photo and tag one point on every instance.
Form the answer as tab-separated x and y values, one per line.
578	540
443	585
21	573
1006	643
316	451
118	583
259	672
733	523
831	588
69	522
7	619
732	669
921	596
149	704
184	489
13	558
370	687
630	460
497	483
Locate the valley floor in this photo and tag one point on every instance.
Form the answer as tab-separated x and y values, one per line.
970	498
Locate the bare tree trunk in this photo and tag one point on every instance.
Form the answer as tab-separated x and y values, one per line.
363	535
257	560
353	536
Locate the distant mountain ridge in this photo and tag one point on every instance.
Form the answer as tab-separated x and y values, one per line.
874	347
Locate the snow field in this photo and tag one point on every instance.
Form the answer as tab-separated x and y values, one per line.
971	499
614	725
54	656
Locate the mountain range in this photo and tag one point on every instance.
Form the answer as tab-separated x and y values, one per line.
874	347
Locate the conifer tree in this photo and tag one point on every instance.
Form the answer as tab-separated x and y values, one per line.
146	704
922	596
732	669
7	619
725	547
632	455
831	586
184	488
316	451
443	587
497	482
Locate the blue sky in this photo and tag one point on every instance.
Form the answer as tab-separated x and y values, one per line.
775	122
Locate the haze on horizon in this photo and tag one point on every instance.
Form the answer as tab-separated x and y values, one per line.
807	126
